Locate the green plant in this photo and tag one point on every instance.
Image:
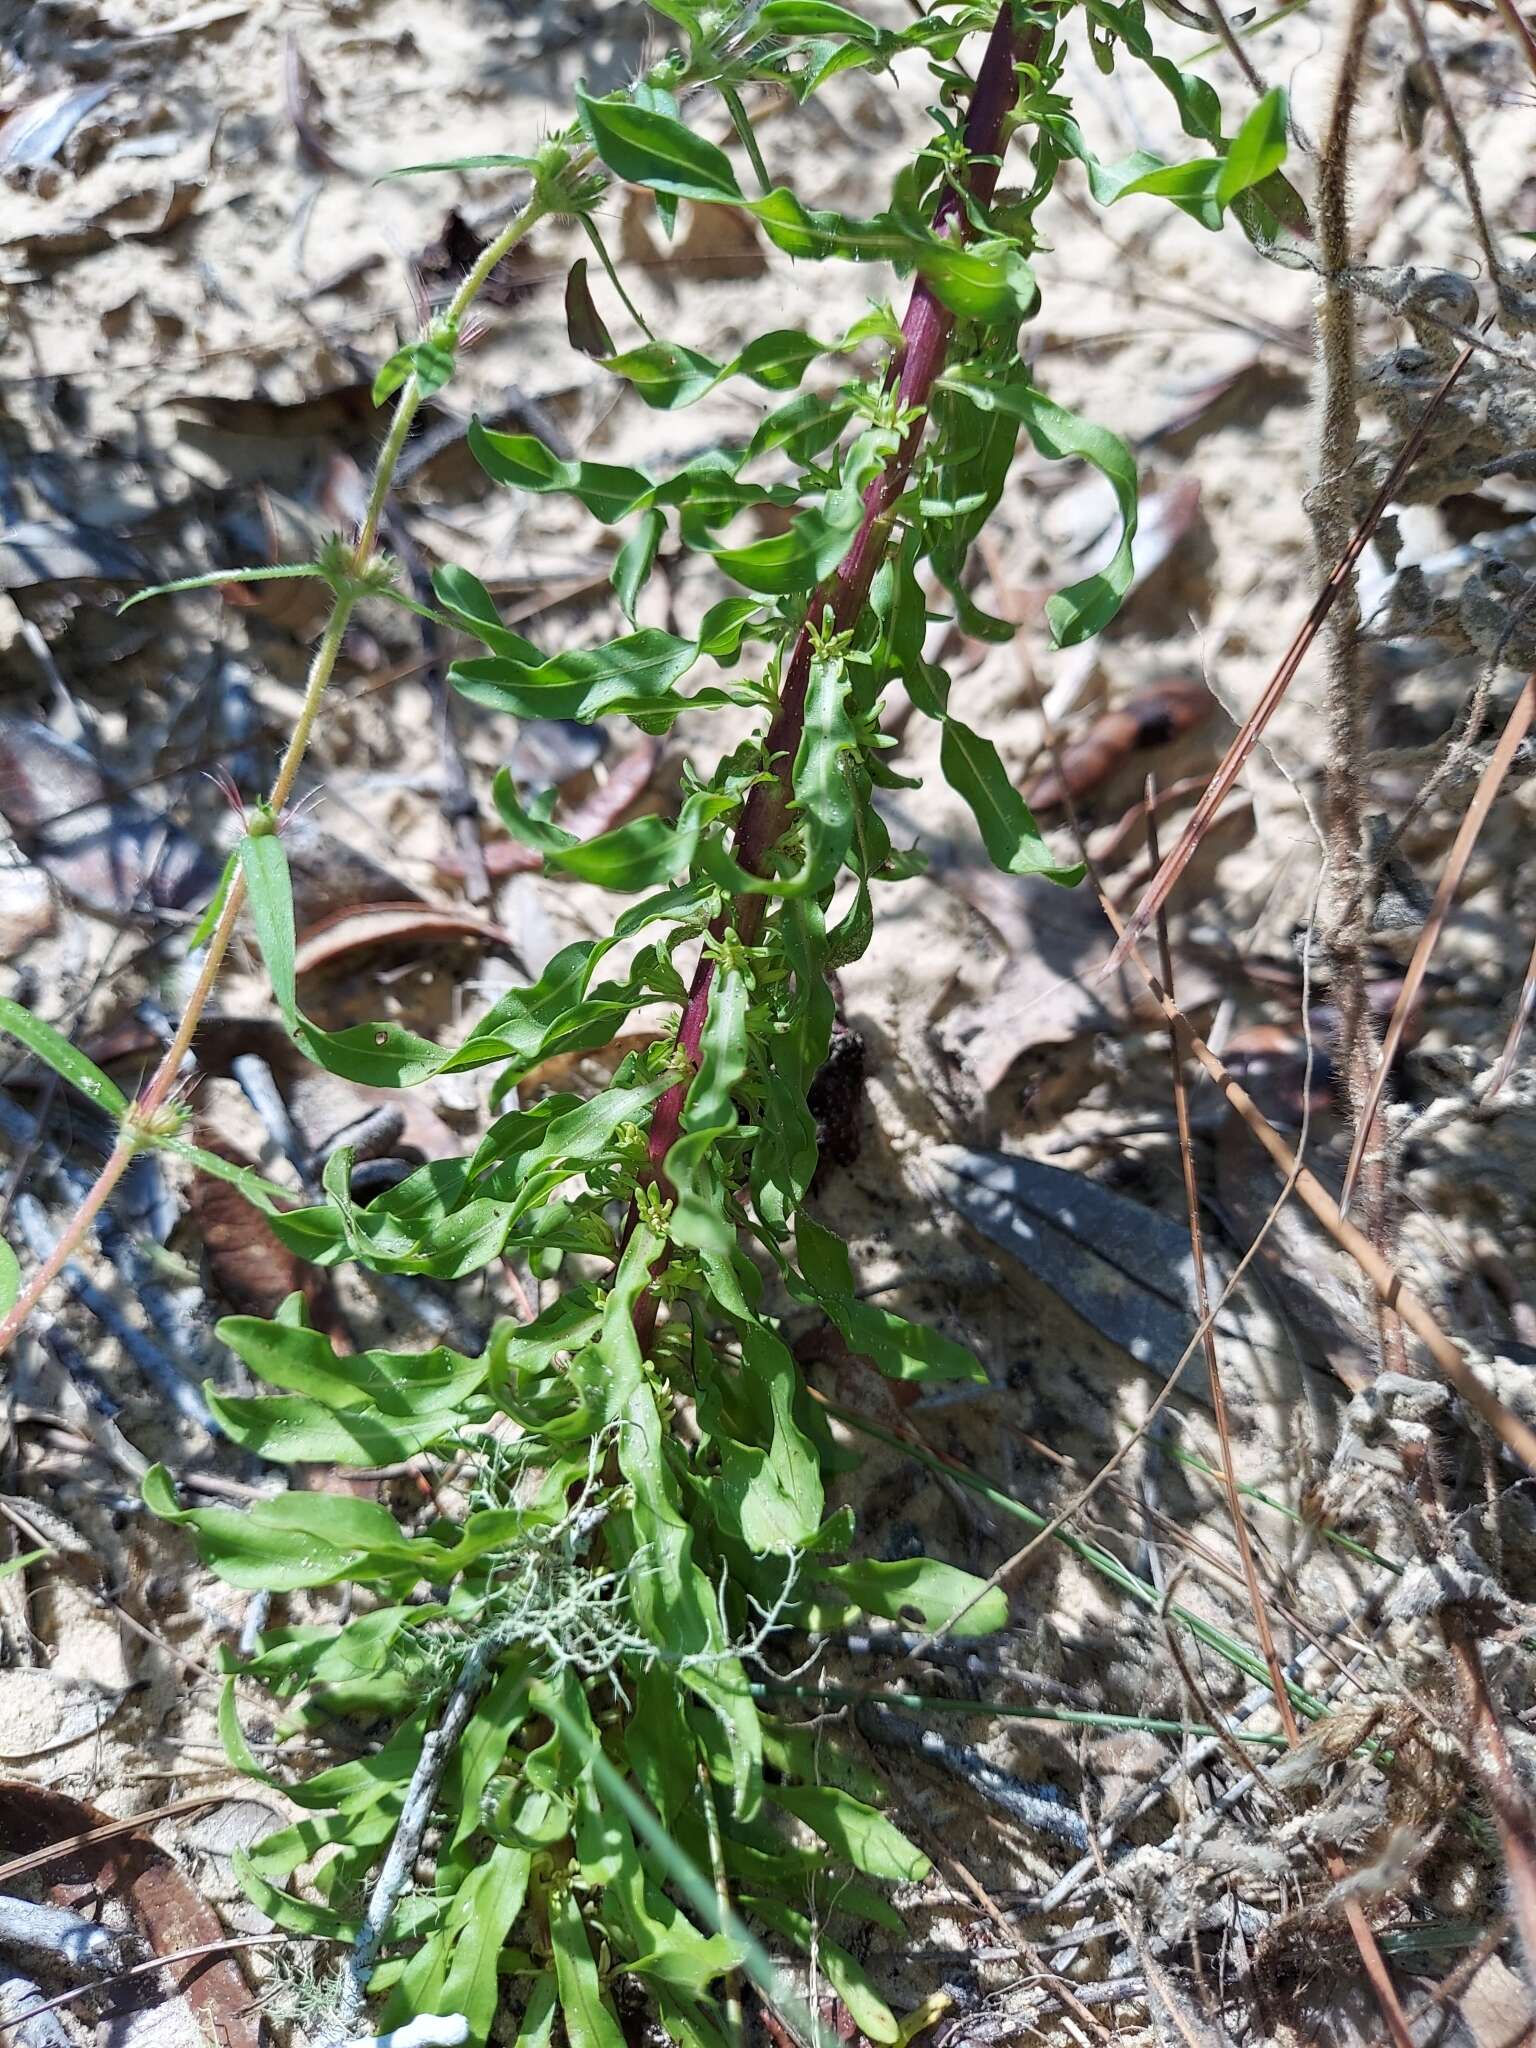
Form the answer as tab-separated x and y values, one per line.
572	1709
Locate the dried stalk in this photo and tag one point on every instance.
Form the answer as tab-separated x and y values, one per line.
1516	727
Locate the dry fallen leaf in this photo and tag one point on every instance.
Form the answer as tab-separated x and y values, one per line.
407	926
162	1903
1150	718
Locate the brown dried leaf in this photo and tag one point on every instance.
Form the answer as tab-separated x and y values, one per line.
412	927
444	264
253	1271
171	1914
1151	718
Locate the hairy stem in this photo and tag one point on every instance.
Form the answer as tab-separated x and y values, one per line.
1350	892
321	668
926	332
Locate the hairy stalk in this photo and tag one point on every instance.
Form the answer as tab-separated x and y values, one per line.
1350	875
322	666
926	332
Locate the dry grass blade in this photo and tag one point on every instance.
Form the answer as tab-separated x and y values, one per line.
1395	1293
1240	1531
1166	879
39	1859
1523	1010
1520	28
1515	730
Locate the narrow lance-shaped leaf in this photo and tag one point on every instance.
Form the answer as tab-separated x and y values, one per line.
270	893
66	1060
973	769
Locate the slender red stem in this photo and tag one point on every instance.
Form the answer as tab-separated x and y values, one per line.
926	332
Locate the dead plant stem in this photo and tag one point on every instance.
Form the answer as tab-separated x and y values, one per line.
1489	784
1240	1531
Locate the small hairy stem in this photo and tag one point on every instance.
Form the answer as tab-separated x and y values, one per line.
321	668
1350	877
926	332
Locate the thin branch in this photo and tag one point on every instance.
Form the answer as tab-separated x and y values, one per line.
1516	727
1240	1529
1235	759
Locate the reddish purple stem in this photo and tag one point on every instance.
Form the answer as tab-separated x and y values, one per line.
926	332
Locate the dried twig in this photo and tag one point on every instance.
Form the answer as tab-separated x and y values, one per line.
1516	727
1240	1531
1236	756
415	1812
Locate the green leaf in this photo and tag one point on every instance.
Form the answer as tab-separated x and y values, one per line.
427	360
462	163
467	600
371	1409
816	18
633	676
522	462
635	560
1257	149
66	1060
652	149
974	770
901	1350
210	917
10	1278
583	323
298	1916
921	1592
870	2014
665	374
284	573
270	893
854	1831
668	376
1086	608
590	2021
823	806
12	1565
291	1540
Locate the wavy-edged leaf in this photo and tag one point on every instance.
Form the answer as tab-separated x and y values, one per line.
921	1592
973	769
855	1832
901	1350
1085	608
